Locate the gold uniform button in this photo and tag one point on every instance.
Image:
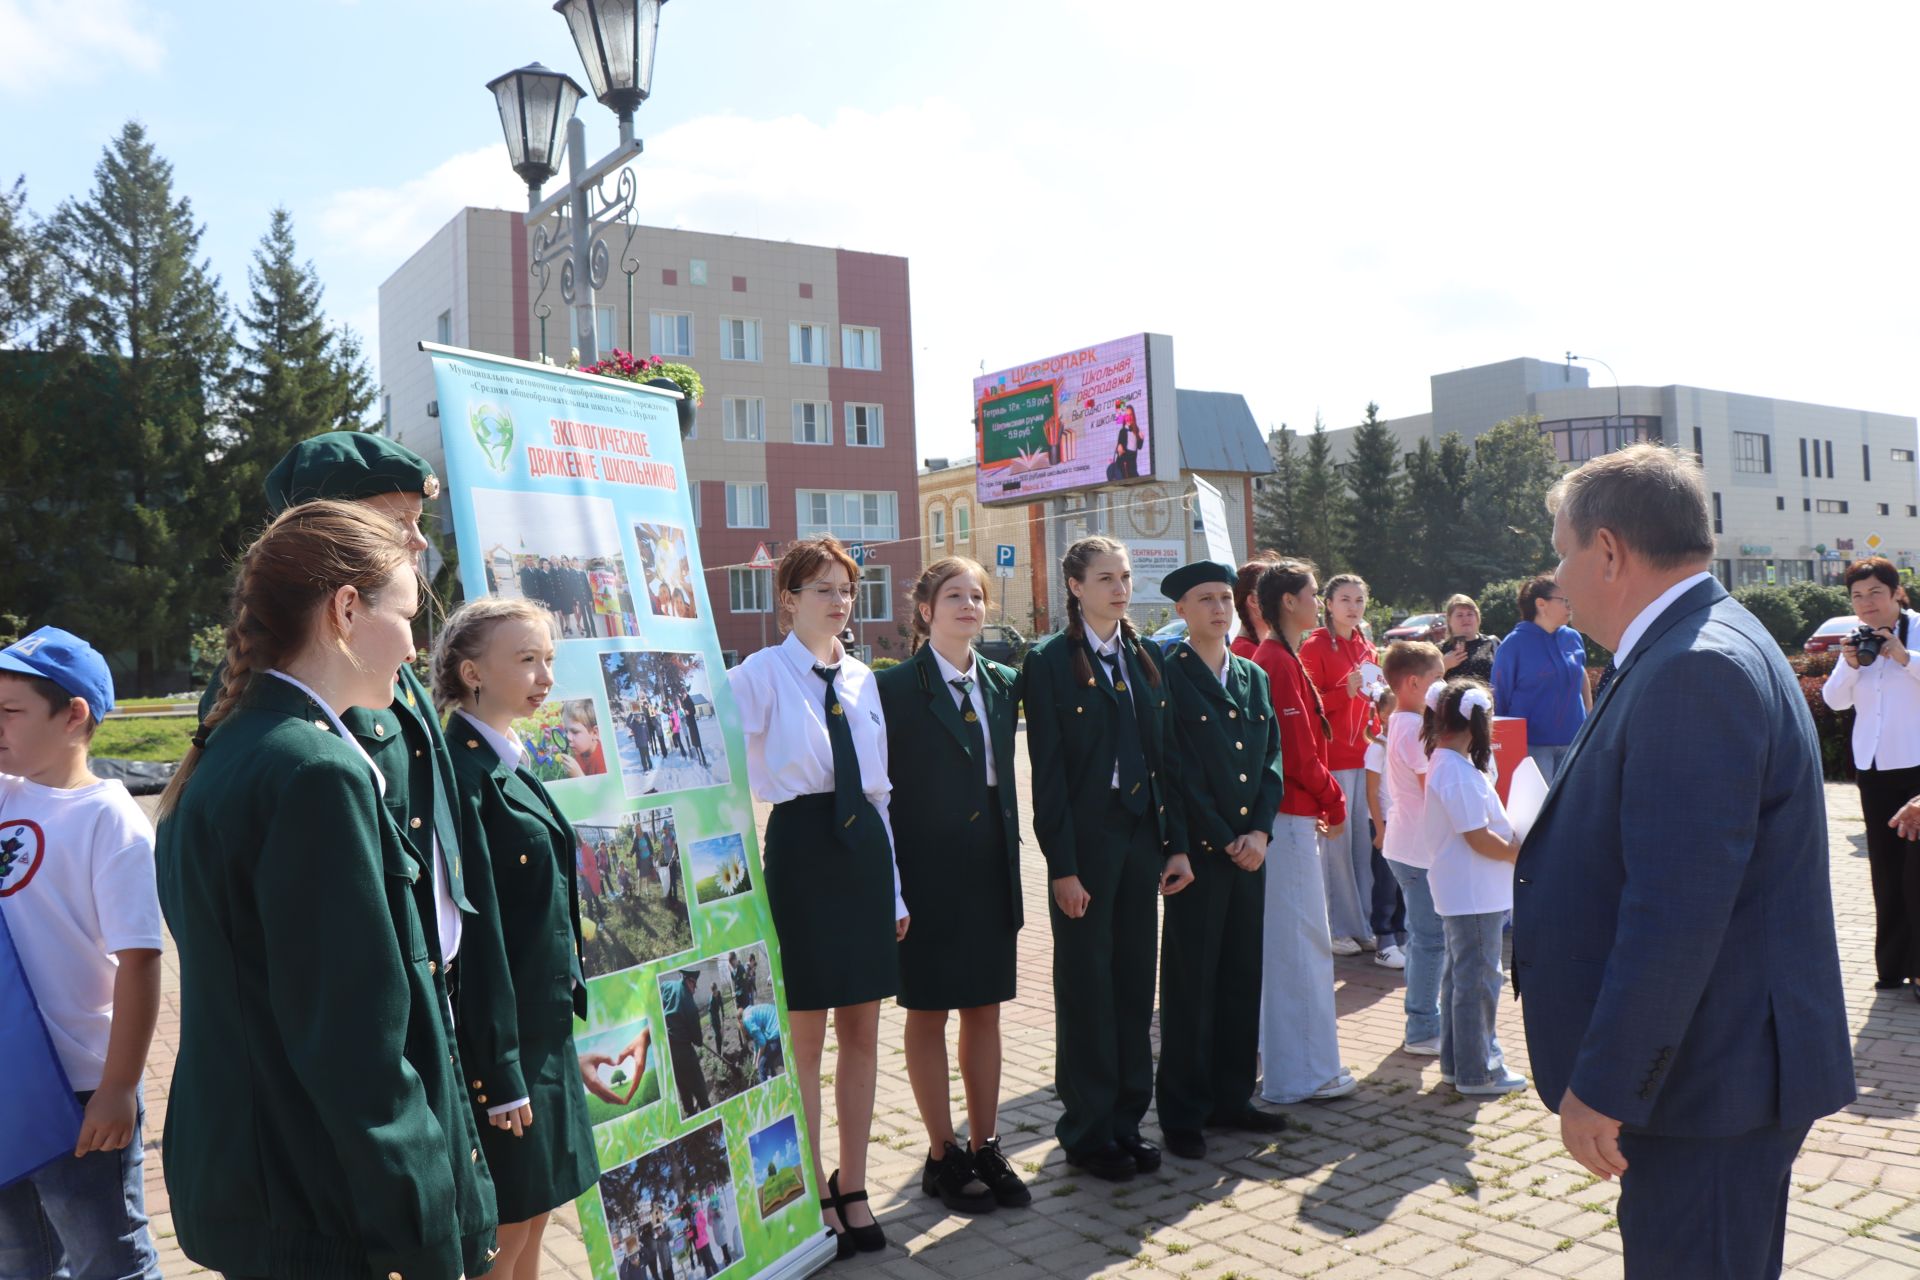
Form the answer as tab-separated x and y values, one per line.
1238	747
481	1098
393	1275
476	1155
1233	715
433	966
379	731
477	1084
523	858
418	754
1079	711
1243	811
414	823
473	744
320	724
1243	777
1203	719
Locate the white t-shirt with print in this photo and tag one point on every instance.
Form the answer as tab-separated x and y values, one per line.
76	884
1461	799
1376	763
1402	794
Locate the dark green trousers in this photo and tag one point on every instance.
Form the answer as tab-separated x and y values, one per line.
1103	969
1210	994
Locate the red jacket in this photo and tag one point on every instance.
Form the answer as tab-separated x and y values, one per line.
1310	791
1244	645
1328	660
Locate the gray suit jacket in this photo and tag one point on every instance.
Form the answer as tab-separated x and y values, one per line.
1673	935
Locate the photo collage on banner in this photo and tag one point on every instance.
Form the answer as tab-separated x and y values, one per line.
571	491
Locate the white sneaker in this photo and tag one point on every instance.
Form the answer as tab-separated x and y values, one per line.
1338	1087
1390	957
1345	947
1423	1049
1508	1083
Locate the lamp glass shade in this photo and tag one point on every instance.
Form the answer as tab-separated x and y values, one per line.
616	41
535	105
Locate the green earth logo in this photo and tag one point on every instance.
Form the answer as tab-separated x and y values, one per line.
493	432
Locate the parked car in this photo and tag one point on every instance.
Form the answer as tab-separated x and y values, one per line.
1002	643
1414	627
1827	636
1169	635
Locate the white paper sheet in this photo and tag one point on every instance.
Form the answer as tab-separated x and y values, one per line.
1525	794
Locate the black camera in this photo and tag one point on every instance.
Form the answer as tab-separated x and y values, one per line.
1866	645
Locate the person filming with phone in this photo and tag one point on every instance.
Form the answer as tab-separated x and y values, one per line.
1878	678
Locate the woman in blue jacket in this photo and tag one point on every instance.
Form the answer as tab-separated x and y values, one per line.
1540	674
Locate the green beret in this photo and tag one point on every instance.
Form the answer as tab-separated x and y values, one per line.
1189	576
348	465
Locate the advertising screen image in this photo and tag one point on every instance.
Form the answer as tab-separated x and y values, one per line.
1070	421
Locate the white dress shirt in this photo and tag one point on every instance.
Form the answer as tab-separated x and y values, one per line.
1102	650
950	673
446	916
1646	617
783	713
1885	698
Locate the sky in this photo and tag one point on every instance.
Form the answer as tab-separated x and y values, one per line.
1323	204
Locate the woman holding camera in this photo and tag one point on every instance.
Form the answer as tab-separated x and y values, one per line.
1462	648
1878	678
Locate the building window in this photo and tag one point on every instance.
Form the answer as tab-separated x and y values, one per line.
746	418
807	344
1716	514
1578	440
1803	455
746	506
812	422
1752	452
936	528
671	333
1831	473
443	329
1831	506
1806	504
750	590
848	515
1779	504
1903	455
962	522
1866	464
1699	453
1885	510
863	426
1912	511
859	348
739	339
875	603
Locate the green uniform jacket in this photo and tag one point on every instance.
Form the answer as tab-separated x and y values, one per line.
930	765
304	1133
1071	742
1225	770
517	1016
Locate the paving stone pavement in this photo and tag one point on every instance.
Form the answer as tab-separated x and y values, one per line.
1402	1179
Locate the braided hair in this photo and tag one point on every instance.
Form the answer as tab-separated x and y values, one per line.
284	580
1286	578
1243	584
1073	567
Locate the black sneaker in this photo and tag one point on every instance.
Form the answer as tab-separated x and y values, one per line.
1108	1162
952	1178
993	1168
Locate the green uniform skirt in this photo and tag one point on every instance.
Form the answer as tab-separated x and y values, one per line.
960	952
554	1161
832	905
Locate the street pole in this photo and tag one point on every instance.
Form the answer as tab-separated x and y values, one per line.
586	327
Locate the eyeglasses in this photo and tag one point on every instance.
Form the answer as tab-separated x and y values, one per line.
827	591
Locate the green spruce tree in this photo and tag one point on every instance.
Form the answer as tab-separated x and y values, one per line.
1322	505
1276	508
1435	510
1511	533
1377	542
299	375
129	543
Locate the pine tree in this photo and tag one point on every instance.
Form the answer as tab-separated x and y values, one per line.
1276	510
1436	520
129	542
1322	505
23	292
1377	544
1511	533
299	375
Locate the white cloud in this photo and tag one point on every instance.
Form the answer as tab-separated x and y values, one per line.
57	42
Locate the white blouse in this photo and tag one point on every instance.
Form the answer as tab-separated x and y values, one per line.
783	712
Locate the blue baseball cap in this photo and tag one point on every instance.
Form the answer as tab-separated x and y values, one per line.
68	661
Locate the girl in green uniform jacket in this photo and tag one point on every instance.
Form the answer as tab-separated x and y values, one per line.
494	664
315	1049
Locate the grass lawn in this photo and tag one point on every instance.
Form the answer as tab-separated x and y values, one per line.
186	699
156	738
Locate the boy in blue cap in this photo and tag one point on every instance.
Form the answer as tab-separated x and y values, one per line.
77	890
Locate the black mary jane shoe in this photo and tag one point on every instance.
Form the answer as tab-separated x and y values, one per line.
1188	1144
993	1168
952	1178
1146	1156
842	1242
1109	1163
867	1239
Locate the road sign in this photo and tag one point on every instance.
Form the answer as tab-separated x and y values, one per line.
1003	555
762	559
1873	542
860	552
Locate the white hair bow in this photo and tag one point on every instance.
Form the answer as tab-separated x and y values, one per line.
1434	691
1475	697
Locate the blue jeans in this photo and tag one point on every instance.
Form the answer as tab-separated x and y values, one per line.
1469	995
1426	950
80	1218
1389	908
1548	758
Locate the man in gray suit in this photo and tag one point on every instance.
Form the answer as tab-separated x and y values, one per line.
1673	937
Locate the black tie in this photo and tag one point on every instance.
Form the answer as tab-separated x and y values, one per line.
1606	678
847	793
1131	758
976	733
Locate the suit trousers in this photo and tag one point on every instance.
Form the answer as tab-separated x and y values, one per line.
1893	866
1103	971
1210	994
1706	1208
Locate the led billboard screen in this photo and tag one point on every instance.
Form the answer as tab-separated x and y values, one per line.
1070	421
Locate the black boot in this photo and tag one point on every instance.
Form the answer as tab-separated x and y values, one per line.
994	1169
